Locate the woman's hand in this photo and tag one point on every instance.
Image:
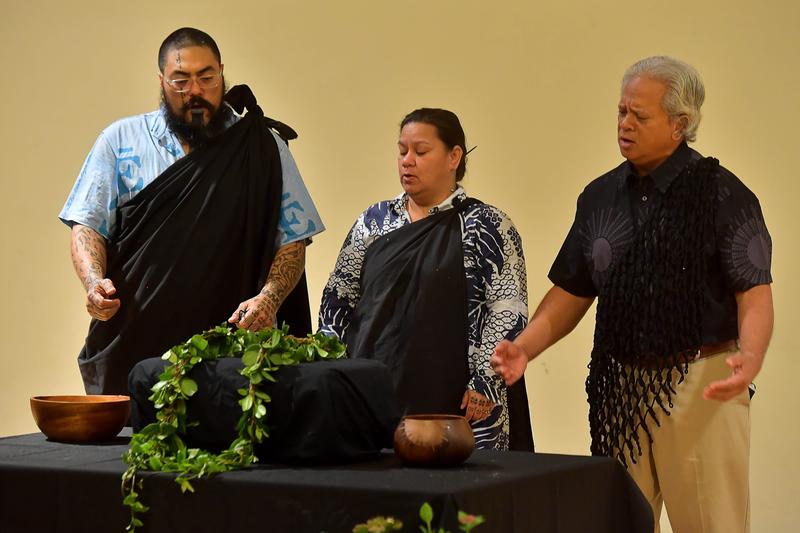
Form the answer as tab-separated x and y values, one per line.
478	406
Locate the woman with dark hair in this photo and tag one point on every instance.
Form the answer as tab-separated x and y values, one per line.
429	282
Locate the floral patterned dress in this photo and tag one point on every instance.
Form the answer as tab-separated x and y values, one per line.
497	299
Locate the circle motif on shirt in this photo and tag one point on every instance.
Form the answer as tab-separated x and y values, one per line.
601	254
758	252
750	248
605	234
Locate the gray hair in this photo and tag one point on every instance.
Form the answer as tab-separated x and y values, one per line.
685	91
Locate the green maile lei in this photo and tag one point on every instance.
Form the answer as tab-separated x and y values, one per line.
160	447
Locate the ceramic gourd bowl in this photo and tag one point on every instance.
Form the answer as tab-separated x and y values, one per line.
433	440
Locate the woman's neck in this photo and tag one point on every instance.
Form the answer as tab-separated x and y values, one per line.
419	206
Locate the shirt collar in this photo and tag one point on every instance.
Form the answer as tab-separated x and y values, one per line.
666	172
400	202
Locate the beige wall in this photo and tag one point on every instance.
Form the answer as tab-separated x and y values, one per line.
535	84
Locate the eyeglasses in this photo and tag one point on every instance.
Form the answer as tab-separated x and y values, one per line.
184	85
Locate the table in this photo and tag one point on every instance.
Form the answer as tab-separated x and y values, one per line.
48	486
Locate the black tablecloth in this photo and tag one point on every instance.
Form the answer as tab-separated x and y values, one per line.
48	486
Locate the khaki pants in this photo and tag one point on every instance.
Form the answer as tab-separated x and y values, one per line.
698	462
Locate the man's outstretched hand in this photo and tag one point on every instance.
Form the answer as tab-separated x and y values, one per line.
744	368
509	361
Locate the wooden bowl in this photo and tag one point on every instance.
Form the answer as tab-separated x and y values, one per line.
91	418
433	440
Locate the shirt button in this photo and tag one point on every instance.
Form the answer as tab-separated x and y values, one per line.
644	198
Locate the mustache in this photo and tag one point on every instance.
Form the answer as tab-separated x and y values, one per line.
195	102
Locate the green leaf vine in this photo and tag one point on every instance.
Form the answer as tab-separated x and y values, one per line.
160	447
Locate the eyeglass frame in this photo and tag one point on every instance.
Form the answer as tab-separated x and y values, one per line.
192	79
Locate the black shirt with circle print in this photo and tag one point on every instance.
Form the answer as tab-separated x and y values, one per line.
611	209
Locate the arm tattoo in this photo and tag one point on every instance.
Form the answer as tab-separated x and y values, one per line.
285	272
88	254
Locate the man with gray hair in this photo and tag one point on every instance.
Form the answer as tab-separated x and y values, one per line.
676	251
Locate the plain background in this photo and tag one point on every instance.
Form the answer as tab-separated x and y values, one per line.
535	85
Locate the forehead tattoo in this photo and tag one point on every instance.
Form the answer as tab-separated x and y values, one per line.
178	59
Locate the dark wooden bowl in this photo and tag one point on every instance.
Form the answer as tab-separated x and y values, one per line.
433	440
91	418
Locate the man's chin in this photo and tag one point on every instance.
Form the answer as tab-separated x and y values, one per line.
188	118
628	153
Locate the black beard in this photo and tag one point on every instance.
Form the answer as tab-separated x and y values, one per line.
195	136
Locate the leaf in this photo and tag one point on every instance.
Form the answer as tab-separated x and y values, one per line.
246	403
188	386
260	410
426	513
199	342
250	357
185	485
321	352
276	337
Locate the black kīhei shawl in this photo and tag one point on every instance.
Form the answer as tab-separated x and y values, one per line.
412	317
190	247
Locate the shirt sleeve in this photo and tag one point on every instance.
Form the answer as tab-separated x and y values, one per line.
570	270
743	241
299	218
506	298
92	201
343	290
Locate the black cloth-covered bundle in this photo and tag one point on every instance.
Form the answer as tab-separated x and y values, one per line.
649	314
190	247
321	412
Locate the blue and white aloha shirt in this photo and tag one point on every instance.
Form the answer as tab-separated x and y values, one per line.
132	152
497	297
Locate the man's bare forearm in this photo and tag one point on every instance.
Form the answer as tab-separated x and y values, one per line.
557	315
756	318
285	272
88	254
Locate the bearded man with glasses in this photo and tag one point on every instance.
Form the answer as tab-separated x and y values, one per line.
187	216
